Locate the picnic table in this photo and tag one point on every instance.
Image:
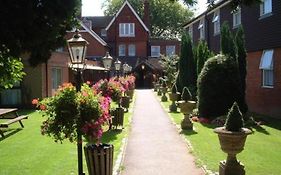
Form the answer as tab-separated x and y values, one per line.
11	116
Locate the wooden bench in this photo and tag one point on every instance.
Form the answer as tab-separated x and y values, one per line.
11	117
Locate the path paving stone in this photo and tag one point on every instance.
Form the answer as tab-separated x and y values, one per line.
154	145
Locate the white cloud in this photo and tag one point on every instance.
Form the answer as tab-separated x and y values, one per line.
200	7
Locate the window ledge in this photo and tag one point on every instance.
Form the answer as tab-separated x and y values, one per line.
265	15
268	87
126	35
216	34
236	26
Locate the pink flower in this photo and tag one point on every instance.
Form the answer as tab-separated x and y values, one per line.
35	101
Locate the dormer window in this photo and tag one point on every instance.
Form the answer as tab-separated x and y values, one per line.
103	32
126	29
236	17
216	21
201	29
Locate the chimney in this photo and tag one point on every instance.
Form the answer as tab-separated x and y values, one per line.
146	14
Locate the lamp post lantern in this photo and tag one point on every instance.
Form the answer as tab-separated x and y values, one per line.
77	50
117	65
125	68
107	62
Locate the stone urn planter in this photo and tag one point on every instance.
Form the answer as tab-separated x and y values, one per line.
159	92
155	86
186	108
164	97
99	158
173	97
231	143
125	102
232	139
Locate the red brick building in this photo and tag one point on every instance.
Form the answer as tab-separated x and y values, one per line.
262	24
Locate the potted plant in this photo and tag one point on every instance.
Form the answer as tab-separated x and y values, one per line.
117	115
187	104
232	137
125	102
131	86
164	91
174	95
69	112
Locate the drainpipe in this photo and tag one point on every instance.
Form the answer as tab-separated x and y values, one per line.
46	76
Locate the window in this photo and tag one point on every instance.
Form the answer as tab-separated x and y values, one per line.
201	29
190	32
266	65
265	7
170	50
132	50
126	29
236	17
155	51
60	49
103	32
216	21
56	78
122	50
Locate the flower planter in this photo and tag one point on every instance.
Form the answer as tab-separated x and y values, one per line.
231	143
186	108
173	97
130	93
99	158
117	118
125	102
164	97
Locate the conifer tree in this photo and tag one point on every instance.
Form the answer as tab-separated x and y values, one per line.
228	46
202	53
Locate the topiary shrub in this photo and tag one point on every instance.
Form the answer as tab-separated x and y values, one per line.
186	95
234	121
218	86
174	88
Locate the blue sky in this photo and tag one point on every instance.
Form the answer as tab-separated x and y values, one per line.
93	7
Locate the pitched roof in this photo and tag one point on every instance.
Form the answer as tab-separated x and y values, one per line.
92	33
134	12
99	21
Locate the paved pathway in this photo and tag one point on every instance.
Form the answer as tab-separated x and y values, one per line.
154	145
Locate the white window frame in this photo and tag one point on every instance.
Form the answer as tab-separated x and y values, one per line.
265	7
190	32
103	32
236	17
216	22
201	28
122	50
266	65
153	52
132	50
56	77
173	50
126	29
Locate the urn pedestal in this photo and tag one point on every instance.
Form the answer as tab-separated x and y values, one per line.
186	108
232	143
173	97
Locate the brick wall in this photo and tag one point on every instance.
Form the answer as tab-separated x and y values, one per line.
262	100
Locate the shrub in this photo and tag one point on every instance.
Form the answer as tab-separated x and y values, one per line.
218	86
186	95
234	121
174	88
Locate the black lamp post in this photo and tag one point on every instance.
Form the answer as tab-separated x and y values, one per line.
117	65
77	50
107	62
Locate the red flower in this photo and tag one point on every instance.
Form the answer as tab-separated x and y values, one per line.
42	107
35	101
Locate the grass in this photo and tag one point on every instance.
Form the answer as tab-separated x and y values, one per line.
261	155
26	151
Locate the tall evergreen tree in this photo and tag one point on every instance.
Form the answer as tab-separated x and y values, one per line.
228	46
187	75
242	64
202	53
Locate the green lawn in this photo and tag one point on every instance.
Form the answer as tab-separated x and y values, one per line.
26	151
261	155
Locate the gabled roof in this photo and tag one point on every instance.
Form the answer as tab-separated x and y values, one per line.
134	12
99	21
92	33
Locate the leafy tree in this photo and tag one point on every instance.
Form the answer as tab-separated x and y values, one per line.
228	46
186	75
10	69
169	67
242	64
166	18
37	27
202	54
